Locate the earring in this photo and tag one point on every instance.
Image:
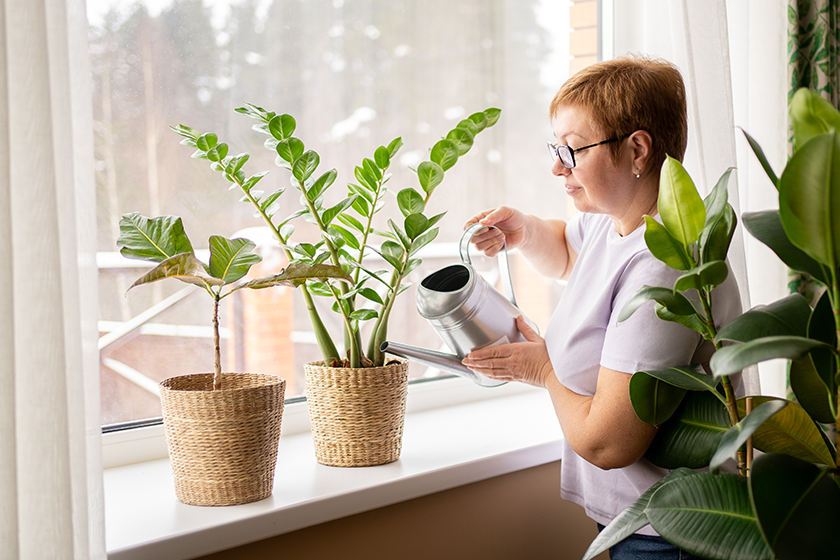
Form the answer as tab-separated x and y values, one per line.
638	173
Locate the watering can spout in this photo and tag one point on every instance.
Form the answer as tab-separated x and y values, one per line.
449	363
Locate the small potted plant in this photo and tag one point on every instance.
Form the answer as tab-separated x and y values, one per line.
222	429
786	503
356	399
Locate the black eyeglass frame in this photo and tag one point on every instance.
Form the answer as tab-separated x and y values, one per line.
555	150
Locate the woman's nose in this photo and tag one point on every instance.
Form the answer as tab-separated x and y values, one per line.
558	169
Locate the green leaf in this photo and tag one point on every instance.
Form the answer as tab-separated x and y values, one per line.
372	169
424	239
811	115
665	247
321	184
394	146
401	236
185	267
462	138
682	210
415	224
631	519
821	327
362	206
430	175
305	165
720	222
154	239
492	114
382	157
710	516
290	149
410	201
732	359
692	434
352	222
468	125
738	435
364	314
767	228
281	127
809	199
693	322
270	199
187	132
206	142
791	432
365	178
348	237
480	121
297	273
218	152
330	213
230	259
653	400
691	378
392	253
797	505
762	159
253	180
811	391
710	274
444	153
372	295
785	317
675	303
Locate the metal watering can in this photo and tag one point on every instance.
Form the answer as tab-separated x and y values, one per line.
467	313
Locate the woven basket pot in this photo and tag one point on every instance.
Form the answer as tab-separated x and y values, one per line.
222	444
357	414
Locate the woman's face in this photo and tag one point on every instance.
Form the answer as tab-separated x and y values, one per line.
596	184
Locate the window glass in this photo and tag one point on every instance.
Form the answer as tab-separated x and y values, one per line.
355	74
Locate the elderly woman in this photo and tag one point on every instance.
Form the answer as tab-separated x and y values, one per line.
614	123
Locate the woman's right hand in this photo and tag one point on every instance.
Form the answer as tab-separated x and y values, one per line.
510	227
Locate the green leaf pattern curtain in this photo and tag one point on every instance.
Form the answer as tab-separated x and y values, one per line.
813	55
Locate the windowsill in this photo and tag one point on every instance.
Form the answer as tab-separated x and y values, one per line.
442	449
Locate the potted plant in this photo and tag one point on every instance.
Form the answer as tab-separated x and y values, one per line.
785	503
356	399
222	429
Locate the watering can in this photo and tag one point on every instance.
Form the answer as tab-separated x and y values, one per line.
467	313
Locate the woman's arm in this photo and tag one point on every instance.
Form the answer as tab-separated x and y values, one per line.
603	429
542	242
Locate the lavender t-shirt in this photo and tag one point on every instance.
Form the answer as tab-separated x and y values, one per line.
584	334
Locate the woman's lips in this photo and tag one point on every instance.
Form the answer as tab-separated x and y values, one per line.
572	190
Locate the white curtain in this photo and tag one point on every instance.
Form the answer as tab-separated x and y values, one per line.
696	36
50	473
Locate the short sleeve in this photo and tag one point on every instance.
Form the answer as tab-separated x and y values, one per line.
574	231
644	341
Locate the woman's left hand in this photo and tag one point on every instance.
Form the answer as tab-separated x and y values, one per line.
526	362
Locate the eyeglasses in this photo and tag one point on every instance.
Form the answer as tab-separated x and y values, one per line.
567	154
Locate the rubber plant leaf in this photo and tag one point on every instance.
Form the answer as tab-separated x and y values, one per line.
809	199
762	159
710	274
631	519
732	359
296	274
709	515
786	317
154	239
797	505
692	434
738	434
821	327
811	115
185	267
673	302
767	227
653	400
792	432
691	378
664	246
231	259
811	392
682	210
716	237
693	322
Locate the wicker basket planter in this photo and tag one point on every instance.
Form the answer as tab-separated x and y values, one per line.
222	444
357	414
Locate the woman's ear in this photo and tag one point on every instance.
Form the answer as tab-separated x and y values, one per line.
641	144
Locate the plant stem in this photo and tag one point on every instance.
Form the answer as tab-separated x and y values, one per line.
381	333
373	348
217	375
355	360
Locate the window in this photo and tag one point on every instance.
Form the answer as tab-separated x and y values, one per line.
355	74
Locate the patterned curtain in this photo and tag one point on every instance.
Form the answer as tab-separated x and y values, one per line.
813	56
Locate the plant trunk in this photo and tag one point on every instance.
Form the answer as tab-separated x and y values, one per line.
217	375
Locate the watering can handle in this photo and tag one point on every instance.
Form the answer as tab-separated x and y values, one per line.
504	266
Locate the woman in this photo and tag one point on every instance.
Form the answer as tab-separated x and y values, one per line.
614	123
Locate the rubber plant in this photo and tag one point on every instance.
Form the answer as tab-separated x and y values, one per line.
786	503
347	231
163	240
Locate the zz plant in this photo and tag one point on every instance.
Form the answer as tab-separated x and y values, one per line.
347	231
786	504
163	240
